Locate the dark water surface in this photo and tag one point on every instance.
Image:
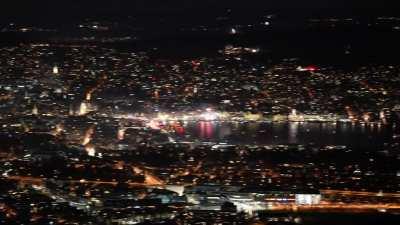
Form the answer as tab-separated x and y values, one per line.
355	135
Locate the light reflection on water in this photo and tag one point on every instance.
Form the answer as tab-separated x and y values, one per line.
359	135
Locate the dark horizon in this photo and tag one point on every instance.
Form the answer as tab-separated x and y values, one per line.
68	10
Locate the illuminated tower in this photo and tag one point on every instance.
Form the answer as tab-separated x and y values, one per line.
294	112
83	109
121	133
71	110
55	70
35	110
382	116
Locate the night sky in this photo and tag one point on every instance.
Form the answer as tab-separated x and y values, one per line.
68	8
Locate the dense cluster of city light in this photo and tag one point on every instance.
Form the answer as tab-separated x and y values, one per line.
97	134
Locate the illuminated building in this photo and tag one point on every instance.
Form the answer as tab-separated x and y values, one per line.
121	134
90	149
35	110
307	68
83	109
86	107
209	115
55	70
295	117
308	199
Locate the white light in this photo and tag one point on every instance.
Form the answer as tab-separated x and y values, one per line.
163	117
91	151
55	70
366	117
308	199
301	69
83	109
153	125
209	116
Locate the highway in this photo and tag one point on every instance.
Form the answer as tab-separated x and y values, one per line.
337	207
149	181
360	193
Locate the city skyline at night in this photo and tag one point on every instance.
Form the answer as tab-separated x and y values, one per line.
199	112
